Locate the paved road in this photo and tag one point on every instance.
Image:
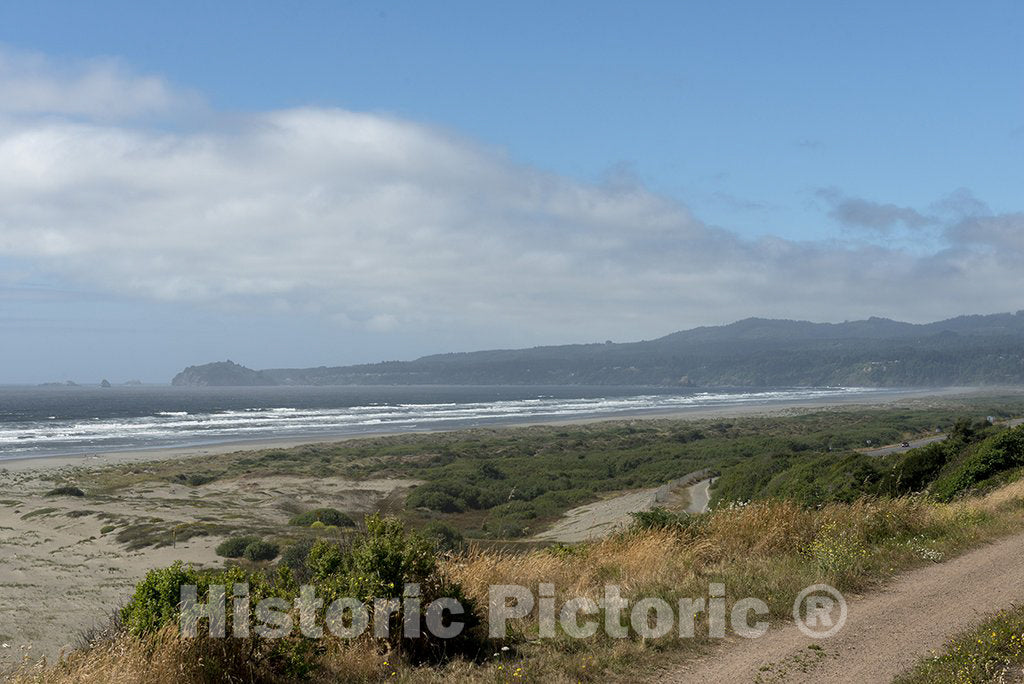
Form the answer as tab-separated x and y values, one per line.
886	450
892	448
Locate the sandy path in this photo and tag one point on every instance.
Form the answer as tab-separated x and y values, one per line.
700	496
596	520
886	632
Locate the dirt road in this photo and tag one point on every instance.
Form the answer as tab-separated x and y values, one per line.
886	632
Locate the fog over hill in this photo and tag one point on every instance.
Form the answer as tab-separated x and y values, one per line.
755	352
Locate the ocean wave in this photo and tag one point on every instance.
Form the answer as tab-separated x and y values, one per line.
50	434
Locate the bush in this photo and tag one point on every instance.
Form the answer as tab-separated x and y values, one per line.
655	519
66	490
915	470
455	497
295	559
326	516
382	560
444	536
234	547
377	564
195	479
996	454
261	551
157	598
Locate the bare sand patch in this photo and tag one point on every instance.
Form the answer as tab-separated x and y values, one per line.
66	562
598	519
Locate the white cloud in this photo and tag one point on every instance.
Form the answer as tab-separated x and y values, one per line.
35	84
383	223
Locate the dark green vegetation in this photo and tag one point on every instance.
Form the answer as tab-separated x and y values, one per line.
261	551
376	563
659	518
969	350
66	490
444	536
159	534
326	516
975	457
991	652
988	462
513	482
234	547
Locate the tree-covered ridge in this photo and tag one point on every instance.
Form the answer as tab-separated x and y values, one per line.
963	351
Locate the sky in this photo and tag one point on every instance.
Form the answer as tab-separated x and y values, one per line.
324	183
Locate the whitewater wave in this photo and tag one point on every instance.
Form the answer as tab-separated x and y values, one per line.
182	428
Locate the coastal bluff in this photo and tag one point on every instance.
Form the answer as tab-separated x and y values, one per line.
221	374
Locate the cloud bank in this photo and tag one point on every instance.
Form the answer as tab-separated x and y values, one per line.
860	213
385	224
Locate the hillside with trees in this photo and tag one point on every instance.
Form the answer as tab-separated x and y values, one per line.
755	352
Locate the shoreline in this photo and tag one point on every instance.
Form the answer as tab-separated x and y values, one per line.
142	455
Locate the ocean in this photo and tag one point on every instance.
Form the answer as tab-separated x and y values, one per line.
46	421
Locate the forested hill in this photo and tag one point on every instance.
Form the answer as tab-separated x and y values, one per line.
968	350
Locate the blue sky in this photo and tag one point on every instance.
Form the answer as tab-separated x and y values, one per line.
648	167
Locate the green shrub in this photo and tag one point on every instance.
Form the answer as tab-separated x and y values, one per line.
295	558
1001	452
915	470
234	547
655	519
157	599
326	559
66	490
444	536
378	564
261	551
327	516
382	560
457	496
196	479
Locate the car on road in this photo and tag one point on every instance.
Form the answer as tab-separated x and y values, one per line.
905	445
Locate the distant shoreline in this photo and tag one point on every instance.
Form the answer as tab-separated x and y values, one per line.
114	457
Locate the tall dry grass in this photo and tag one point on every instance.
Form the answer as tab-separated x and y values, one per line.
726	540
